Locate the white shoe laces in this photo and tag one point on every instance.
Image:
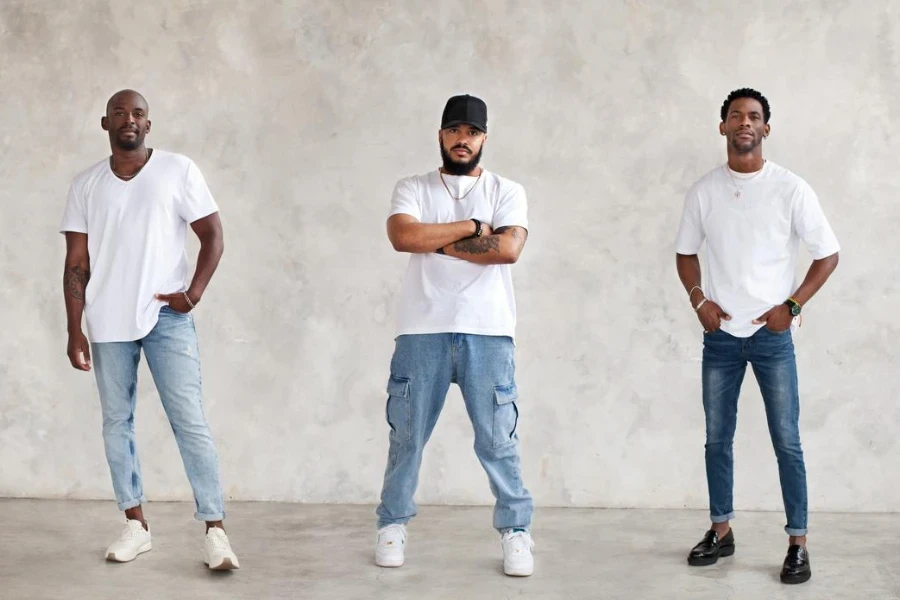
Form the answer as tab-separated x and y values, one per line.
219	541
518	542
131	530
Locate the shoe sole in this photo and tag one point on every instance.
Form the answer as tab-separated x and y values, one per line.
226	565
795	579
387	563
518	572
111	556
705	562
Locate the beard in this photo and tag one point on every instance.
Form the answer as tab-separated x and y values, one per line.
453	167
745	147
129	144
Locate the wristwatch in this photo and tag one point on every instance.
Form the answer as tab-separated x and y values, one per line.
795	306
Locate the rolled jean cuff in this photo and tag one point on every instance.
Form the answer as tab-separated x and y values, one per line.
131	503
722	518
795	532
210	516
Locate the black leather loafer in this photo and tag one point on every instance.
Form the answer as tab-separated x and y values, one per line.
796	567
708	551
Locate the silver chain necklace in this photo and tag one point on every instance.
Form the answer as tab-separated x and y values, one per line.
112	160
464	195
738	190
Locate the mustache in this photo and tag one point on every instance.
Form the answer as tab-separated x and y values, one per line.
461	147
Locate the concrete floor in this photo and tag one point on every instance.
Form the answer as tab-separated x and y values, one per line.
54	549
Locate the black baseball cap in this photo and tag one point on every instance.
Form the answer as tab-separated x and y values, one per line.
465	110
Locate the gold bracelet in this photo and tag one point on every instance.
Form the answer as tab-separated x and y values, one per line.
188	298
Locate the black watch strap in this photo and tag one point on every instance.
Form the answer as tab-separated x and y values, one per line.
477	228
795	306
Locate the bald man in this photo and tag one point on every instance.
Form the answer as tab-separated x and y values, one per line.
126	270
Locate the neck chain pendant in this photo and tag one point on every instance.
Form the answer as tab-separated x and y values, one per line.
737	194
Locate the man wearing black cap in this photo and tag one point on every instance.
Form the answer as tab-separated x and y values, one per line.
463	226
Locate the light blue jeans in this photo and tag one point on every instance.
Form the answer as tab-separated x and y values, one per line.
172	355
422	369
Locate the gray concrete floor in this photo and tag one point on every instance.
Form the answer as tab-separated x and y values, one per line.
54	549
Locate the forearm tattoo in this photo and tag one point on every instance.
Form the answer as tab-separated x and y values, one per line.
517	232
481	245
75	280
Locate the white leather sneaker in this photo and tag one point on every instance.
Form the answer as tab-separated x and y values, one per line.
390	546
518	553
218	553
133	540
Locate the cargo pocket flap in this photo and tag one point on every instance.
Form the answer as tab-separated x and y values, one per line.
398	387
504	394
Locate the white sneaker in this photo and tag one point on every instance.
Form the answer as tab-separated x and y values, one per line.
218	553
390	546
518	553
133	540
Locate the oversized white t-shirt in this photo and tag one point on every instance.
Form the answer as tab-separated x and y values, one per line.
136	239
443	294
752	240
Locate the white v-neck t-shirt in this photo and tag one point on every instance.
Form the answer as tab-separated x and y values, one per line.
444	294
752	238
136	240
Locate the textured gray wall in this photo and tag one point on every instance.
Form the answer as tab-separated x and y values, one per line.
302	115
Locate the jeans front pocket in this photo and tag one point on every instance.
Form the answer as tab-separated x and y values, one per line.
398	411
506	414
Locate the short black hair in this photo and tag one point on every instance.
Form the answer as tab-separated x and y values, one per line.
747	93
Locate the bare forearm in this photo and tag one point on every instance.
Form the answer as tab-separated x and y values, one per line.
818	273
688	266
210	254
75	279
428	237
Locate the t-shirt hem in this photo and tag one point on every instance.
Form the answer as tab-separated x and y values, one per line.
133	337
455	329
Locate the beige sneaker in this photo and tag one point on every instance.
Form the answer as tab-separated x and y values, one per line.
133	540
218	553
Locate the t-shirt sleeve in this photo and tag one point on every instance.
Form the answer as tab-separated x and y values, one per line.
811	225
405	200
512	210
74	216
196	200
690	232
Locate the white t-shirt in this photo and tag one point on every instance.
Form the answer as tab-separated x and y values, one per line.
443	294
752	240
136	234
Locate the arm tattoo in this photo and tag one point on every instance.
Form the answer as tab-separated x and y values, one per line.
515	230
75	281
481	245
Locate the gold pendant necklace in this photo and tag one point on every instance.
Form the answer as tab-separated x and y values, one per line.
464	195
